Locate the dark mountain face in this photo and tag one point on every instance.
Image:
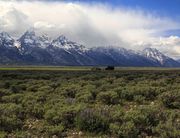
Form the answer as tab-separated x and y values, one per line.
119	57
8	53
68	52
33	48
40	50
9	56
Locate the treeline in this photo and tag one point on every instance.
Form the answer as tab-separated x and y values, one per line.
124	104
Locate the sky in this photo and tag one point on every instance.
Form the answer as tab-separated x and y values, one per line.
132	24
169	7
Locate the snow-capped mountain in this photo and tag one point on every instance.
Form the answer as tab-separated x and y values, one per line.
40	50
71	53
9	54
155	55
161	59
33	48
119	57
6	40
30	40
66	44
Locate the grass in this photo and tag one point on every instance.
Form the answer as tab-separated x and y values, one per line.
70	68
84	68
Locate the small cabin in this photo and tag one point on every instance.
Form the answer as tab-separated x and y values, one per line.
110	68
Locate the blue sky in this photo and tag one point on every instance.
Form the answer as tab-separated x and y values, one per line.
163	7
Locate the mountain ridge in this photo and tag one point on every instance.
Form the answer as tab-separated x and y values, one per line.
31	49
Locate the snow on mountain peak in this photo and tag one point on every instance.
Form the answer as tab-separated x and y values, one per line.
155	55
29	39
43	41
30	33
62	42
6	40
65	43
63	51
5	35
62	39
17	44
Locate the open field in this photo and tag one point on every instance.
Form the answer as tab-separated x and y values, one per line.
78	102
68	68
85	68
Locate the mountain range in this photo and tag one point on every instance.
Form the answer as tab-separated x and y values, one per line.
31	49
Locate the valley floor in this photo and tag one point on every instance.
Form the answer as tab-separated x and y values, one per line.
78	102
85	68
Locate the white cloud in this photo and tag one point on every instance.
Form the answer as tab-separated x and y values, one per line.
40	24
168	45
92	25
13	21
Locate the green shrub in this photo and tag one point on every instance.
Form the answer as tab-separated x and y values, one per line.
10	117
125	130
137	103
171	99
109	97
139	99
167	130
91	121
55	130
3	134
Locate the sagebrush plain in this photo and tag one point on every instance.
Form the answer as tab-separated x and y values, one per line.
78	102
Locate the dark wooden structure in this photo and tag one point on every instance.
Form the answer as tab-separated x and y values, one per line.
110	68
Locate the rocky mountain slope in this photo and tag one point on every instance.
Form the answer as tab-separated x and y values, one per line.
31	49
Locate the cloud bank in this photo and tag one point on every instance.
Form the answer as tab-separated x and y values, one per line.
91	24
